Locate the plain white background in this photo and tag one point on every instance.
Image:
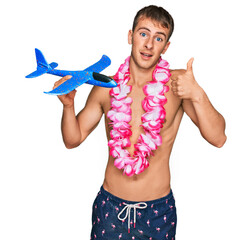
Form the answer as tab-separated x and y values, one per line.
47	191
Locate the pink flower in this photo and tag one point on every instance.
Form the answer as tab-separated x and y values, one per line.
121	125
148	141
161	75
123	70
128	170
120	91
119	152
140	165
150	103
125	142
118	116
153	88
120	133
155	115
162	63
156	138
123	105
119	162
142	150
152	126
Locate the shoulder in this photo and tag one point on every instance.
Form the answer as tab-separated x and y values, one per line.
99	93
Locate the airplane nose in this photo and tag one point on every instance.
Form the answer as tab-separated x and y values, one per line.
113	83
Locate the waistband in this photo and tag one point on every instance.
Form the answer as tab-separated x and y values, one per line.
149	203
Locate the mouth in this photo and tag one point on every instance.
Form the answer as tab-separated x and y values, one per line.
146	55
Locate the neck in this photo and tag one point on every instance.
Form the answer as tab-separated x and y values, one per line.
139	76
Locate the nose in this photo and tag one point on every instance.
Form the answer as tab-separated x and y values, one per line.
149	43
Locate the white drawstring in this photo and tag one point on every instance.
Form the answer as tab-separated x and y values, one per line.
140	205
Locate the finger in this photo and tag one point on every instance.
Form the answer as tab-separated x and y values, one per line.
174	89
62	80
67	77
175	93
189	65
174	77
72	93
174	83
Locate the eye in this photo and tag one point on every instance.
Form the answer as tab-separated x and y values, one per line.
159	39
143	34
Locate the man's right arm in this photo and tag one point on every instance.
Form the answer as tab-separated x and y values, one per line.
75	129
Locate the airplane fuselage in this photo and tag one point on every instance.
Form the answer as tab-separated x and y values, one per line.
102	80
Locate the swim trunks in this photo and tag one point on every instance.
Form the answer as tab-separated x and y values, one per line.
114	218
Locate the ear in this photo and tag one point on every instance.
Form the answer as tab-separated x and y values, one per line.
166	47
130	35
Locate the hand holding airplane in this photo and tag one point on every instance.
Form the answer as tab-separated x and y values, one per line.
90	75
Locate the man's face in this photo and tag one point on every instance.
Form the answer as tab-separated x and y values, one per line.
149	41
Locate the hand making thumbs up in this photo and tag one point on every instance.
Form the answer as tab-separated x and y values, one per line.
184	84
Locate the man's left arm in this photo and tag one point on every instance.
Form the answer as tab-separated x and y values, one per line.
197	106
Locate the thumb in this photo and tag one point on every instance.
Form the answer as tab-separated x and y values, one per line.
189	65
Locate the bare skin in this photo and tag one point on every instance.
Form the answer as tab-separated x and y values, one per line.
149	41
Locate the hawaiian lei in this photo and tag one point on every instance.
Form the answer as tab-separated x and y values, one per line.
152	119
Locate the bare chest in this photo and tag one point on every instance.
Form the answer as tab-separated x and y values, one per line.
137	111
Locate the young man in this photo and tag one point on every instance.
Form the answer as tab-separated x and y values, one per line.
136	201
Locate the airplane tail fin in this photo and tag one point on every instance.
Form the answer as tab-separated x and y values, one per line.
42	65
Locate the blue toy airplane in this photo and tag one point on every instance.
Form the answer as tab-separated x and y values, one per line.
90	75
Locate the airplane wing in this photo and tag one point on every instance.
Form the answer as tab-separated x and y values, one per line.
71	84
103	63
